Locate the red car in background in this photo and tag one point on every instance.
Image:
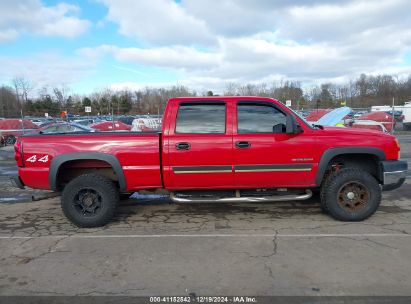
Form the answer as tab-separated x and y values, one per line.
381	117
111	126
10	129
317	114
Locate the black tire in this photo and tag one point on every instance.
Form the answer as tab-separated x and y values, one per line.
89	200
351	195
323	206
324	186
124	196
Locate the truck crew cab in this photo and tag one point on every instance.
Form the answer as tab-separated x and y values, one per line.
220	149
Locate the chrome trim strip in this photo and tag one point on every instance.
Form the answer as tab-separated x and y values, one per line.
202	171
273	170
243	169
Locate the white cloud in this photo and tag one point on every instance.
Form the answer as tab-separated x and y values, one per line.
45	69
8	34
160	22
209	44
262	40
255	59
327	22
31	16
177	57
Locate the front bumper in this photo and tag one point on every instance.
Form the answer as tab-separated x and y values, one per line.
17	182
394	173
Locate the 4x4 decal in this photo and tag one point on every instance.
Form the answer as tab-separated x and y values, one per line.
33	159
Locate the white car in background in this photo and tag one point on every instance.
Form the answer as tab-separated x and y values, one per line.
147	123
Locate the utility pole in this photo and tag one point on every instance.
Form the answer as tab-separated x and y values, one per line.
392	112
22	119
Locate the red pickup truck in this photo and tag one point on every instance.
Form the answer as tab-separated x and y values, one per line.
215	149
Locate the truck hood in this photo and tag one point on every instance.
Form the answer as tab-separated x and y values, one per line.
352	131
334	117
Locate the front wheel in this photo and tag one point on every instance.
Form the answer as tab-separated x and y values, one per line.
351	195
89	200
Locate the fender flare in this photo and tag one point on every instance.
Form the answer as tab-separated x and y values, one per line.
58	161
333	152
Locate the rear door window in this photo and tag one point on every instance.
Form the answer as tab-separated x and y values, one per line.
201	119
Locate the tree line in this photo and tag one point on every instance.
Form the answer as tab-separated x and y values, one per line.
362	92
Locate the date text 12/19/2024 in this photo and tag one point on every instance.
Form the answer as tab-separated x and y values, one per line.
203	299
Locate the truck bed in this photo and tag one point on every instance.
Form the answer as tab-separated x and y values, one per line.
137	153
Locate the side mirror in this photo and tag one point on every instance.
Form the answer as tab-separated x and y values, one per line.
292	127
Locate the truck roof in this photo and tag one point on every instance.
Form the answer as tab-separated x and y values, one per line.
202	98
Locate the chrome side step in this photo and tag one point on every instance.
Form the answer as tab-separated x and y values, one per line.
279	198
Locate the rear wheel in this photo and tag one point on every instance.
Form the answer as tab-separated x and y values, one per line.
351	195
89	200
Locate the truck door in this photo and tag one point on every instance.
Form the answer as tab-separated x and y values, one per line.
200	146
264	155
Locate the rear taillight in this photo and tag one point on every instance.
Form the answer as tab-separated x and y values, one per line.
18	153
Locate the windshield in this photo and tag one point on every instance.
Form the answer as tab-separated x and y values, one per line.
302	118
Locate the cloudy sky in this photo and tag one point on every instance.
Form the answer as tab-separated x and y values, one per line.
204	44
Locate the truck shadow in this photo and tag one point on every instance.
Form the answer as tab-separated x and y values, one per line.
394	202
165	208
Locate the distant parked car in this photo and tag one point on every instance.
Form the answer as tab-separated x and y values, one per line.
317	114
46	123
128	120
111	126
369	124
64	128
380	117
358	114
350	115
397	115
2	140
405	109
40	121
12	128
87	121
146	124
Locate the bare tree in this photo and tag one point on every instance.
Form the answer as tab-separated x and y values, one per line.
231	89
22	87
62	95
362	91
